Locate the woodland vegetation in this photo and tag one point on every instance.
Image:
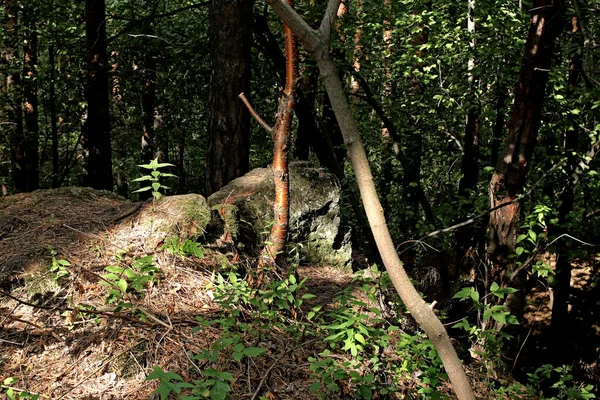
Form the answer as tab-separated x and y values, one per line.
463	135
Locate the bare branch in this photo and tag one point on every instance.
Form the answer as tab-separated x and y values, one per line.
329	19
255	114
311	38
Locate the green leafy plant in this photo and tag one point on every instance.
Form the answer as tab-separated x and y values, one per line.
13	393
214	385
124	279
154	178
59	267
183	249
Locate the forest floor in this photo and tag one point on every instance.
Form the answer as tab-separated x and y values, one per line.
59	353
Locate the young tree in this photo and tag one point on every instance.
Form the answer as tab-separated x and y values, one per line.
317	41
228	151
97	169
281	138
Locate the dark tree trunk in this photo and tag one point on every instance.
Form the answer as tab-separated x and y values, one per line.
149	150
14	106
97	170
228	152
53	117
502	93
562	280
511	170
152	146
30	99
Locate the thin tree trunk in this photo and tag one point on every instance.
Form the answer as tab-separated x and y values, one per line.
468	181
97	170
511	170
317	41
30	99
281	135
53	117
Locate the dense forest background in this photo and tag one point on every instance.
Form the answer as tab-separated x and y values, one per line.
462	106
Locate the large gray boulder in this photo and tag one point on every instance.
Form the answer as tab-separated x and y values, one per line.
243	212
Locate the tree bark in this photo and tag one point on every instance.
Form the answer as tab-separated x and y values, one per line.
53	116
228	151
281	136
14	104
468	181
317	41
30	99
560	328
96	140
510	175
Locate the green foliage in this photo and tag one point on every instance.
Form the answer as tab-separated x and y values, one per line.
154	178
486	338
564	383
14	393
187	248
214	385
121	280
59	267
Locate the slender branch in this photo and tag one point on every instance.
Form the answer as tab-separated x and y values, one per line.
486	212
255	114
329	19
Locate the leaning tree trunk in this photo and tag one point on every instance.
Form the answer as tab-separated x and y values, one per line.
510	175
317	42
97	170
228	151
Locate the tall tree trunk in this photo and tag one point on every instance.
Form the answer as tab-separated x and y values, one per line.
468	181
317	42
152	146
281	135
30	98
511	170
228	152
97	170
14	105
149	150
53	116
562	281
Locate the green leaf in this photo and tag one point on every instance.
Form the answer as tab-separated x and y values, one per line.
144	189
315	387
143	178
254	351
360	338
219	390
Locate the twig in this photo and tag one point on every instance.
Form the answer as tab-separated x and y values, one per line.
486	212
266	375
16	389
79	310
255	114
102	365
